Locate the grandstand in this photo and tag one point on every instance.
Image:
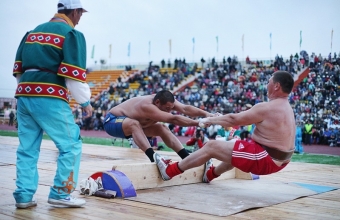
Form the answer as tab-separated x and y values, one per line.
101	80
226	87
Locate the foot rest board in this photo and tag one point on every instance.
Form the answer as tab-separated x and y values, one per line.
146	175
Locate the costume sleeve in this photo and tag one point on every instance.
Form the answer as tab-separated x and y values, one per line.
17	68
80	91
18	76
73	65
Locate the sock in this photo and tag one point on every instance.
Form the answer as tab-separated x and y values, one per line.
149	152
183	153
173	170
210	174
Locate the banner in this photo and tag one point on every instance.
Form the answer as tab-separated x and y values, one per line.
170	46
300	38
216	43
129	49
92	54
193	45
331	39
149	47
110	46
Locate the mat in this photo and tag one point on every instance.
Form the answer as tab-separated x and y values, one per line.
223	197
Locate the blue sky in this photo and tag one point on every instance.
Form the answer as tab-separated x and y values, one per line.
118	23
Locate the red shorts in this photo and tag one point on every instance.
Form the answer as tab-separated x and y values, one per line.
251	157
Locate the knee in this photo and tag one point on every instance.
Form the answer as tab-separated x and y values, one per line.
162	128
135	125
210	145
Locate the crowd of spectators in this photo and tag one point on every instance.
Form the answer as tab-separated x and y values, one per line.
229	87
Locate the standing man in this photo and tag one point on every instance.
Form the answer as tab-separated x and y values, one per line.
11	118
51	59
272	142
308	132
139	118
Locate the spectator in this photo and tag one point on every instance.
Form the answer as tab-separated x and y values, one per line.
298	138
327	136
198	139
308	132
11	118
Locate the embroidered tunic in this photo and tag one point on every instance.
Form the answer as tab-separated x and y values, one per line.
46	56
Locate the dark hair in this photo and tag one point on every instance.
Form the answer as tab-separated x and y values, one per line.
67	11
164	96
285	79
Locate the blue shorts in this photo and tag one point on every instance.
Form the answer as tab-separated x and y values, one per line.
113	125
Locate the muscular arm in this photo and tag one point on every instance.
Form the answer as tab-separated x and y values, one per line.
190	110
153	113
252	116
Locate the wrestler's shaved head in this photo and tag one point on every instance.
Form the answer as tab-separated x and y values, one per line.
285	79
164	97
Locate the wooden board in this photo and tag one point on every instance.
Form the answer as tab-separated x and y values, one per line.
146	175
95	157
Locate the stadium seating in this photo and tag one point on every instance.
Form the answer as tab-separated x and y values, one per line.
101	80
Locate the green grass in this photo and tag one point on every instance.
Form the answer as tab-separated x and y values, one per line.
86	140
304	158
316	158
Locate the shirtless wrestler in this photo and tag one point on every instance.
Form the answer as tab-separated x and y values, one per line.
139	118
272	142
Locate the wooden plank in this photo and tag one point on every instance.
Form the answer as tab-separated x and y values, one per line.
306	208
8	216
146	175
239	174
270	213
329	196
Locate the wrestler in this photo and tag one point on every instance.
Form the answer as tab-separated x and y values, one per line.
141	117
272	142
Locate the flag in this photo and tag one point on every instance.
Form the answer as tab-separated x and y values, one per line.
149	47
270	36
92	54
300	38
193	45
243	42
170	46
129	49
331	39
216	43
110	46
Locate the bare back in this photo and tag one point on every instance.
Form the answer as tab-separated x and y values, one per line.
277	129
134	108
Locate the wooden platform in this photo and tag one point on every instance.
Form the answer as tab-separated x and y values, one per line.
101	158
